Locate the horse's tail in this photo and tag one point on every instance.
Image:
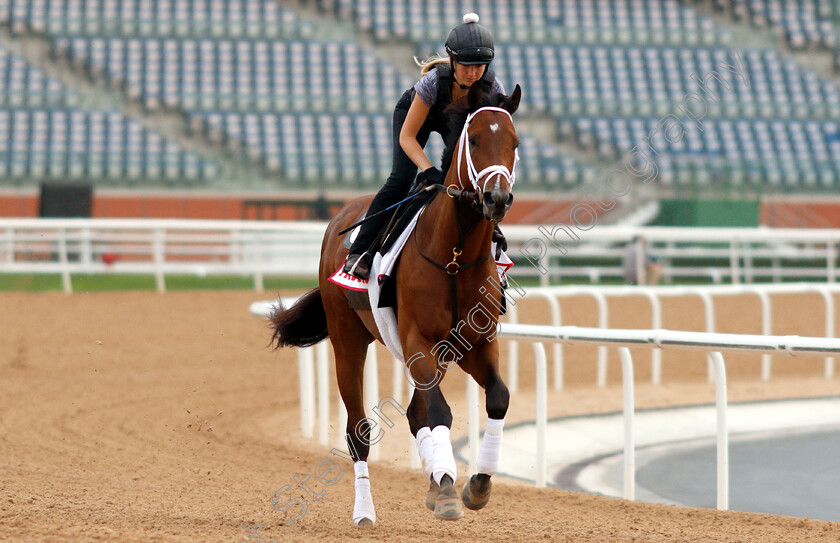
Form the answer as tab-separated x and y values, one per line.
302	325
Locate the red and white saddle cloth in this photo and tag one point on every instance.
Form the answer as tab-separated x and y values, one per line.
382	267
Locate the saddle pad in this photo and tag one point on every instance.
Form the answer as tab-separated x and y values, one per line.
344	279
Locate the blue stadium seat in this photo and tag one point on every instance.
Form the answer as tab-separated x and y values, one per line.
155	18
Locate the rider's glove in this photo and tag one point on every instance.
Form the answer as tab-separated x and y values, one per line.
431	176
501	242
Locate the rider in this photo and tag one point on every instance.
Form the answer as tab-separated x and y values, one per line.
419	112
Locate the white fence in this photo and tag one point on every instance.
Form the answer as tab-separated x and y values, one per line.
719	254
160	247
257	248
656	338
654	295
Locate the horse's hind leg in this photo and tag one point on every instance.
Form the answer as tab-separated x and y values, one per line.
476	491
350	363
350	339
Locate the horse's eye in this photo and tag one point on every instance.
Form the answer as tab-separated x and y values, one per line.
473	141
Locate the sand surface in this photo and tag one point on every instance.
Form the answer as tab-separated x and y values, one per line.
165	417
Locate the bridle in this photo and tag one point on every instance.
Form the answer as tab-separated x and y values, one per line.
453	267
465	156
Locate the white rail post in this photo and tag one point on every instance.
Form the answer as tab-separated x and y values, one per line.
10	245
513	352
307	391
473	415
828	297
733	261
259	253
722	433
766	328
542	411
86	247
656	324
603	322
397	380
629	413
709	306
158	254
545	278
371	390
557	348
323	392
65	261
342	423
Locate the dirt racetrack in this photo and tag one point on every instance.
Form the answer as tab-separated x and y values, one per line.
164	417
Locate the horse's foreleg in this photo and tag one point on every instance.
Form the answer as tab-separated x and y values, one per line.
433	440
476	492
423	438
444	472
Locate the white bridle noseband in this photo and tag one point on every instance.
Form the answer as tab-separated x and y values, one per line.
489	171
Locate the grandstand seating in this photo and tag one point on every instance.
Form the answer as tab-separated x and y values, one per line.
148	18
256	78
44	136
803	23
787	155
22	85
94	146
348	150
536	21
633	81
245	75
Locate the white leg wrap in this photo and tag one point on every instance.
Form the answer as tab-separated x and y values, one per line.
444	459
363	507
491	447
425	450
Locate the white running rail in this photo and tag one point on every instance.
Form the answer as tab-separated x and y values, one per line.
654	295
257	248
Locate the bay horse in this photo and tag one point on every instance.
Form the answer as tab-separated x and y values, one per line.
447	305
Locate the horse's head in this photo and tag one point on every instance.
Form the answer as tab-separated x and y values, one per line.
486	155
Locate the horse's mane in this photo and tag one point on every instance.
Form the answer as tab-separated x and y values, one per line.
458	112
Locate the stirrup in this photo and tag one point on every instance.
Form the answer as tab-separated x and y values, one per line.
358	266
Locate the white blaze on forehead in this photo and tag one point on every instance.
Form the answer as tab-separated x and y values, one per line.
494	127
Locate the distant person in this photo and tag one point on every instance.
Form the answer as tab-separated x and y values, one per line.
420	111
649	272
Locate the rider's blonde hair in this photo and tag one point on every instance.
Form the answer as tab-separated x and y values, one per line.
429	64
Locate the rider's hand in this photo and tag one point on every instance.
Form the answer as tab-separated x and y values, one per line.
501	242
431	176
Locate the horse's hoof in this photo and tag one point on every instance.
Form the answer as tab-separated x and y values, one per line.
364	521
431	495
447	504
476	492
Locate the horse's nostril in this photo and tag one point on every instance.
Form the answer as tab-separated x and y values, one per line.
488	197
509	200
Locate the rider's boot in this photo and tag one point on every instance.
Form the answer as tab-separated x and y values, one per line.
358	265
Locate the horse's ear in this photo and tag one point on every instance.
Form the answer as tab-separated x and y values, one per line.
512	102
474	96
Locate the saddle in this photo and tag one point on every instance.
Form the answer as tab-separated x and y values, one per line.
357	295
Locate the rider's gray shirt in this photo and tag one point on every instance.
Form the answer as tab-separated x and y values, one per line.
427	87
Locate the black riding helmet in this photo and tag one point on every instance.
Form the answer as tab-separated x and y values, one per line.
470	43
